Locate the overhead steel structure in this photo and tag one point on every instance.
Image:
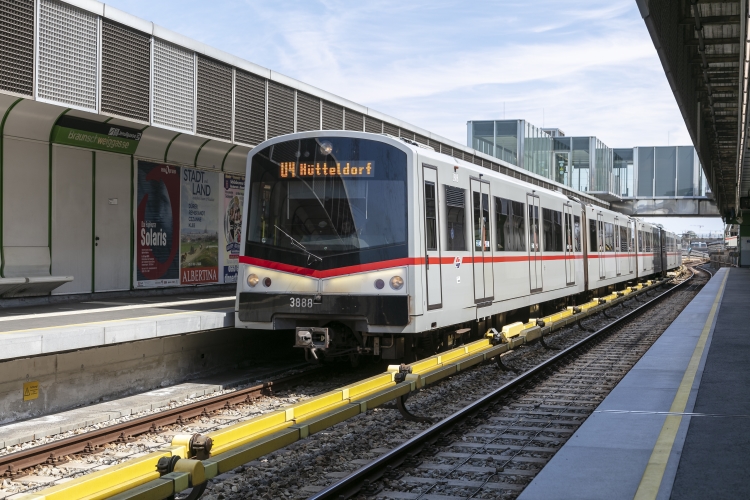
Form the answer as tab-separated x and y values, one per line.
703	47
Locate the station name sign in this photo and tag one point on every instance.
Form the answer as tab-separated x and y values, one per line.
83	133
349	169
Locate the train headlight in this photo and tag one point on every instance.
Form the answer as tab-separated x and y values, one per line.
379	284
266	282
252	279
397	282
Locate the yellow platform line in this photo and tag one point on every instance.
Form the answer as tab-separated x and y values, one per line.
657	463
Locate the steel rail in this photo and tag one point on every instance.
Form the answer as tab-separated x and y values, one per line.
12	464
353	483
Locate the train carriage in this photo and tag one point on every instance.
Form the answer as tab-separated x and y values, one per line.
360	241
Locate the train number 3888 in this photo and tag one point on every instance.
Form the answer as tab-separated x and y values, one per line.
300	302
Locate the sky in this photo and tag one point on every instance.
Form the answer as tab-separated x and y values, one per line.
588	67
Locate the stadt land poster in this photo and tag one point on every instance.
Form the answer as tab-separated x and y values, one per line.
199	231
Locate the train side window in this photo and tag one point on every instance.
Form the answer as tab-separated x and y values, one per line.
577	233
552	227
592	236
510	226
455	218
640	241
609	237
482	232
631	243
430	216
623	239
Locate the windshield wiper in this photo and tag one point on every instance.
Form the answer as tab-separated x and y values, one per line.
299	245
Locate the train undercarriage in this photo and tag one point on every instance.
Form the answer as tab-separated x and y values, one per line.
341	340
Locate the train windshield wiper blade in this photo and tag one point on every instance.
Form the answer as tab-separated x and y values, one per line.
299	245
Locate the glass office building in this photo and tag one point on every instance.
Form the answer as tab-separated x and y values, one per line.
517	142
582	163
587	164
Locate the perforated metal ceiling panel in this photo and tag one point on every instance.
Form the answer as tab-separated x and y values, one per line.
280	109
67	55
333	116
390	129
353	120
214	99
17	46
249	108
126	71
174	86
373	126
308	112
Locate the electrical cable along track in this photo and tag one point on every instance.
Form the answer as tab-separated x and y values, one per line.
496	445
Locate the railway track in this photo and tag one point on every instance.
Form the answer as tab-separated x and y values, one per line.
17	464
188	418
495	446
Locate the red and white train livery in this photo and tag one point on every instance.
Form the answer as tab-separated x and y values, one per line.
365	243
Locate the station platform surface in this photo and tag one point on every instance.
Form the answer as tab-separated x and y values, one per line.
678	424
45	329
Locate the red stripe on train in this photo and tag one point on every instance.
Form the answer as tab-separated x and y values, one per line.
386	264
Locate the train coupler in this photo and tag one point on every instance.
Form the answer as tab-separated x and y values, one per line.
312	339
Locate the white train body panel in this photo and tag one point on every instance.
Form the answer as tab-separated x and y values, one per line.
477	243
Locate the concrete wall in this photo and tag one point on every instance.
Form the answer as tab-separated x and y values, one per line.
72	379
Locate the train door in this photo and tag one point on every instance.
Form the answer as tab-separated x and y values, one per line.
483	277
570	261
535	249
432	239
631	247
600	245
618	247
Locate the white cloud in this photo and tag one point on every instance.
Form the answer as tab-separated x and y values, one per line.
588	66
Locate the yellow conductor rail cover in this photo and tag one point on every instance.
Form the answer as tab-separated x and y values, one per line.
242	442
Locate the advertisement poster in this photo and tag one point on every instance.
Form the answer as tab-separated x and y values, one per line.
199	232
157	225
234	187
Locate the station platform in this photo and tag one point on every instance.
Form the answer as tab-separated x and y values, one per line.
51	328
678	424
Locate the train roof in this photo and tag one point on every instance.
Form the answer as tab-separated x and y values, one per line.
429	152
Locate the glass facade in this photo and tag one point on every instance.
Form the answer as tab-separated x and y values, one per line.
645	172
580	161
506	141
623	173
685	170
668	171
537	151
561	159
587	164
601	170
665	171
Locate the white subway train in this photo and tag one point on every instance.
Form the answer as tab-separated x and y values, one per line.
370	244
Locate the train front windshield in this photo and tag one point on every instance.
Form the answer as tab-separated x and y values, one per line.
323	203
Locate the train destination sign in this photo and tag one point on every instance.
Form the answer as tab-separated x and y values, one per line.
349	169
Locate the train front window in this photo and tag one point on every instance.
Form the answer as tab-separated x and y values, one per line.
328	202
